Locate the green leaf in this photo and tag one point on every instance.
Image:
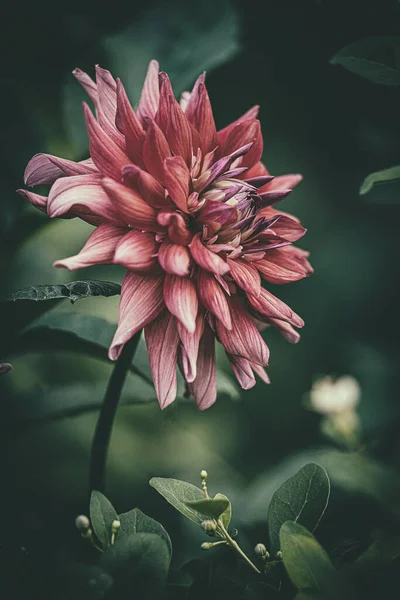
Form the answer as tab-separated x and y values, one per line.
375	58
306	562
261	591
73	291
134	521
227	514
385	176
179	493
303	498
139	566
102	514
209	507
86	582
381	552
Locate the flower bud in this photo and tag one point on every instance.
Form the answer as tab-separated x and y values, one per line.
82	523
203	474
279	555
209	526
261	551
206	546
115	526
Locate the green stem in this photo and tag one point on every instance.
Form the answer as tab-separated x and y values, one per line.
102	434
236	546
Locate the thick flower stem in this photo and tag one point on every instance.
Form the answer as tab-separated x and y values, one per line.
102	435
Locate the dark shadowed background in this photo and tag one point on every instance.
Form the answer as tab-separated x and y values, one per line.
317	119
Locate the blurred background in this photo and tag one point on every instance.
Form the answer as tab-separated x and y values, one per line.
317	119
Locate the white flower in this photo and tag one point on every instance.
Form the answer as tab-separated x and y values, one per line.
328	396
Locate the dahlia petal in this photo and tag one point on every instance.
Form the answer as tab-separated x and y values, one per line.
290	334
82	196
99	249
190	347
36	200
155	151
205	258
129	124
283	182
246	276
134	210
217	215
193	98
106	154
219	167
255	153
270	306
204	387
283	266
180	297
87	83
271	197
261	372
162	341
286	227
260	181
45	169
176	178
106	105
213	297
150	97
137	251
257	170
223	133
179	133
141	302
148	187
244	339
177	230
199	113
166	96
244	133
174	259
243	371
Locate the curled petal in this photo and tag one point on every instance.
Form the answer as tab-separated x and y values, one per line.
106	105
261	372
150	97
166	97
176	178
155	151
148	187
217	215
213	297
174	259
204	387
270	306
45	169
36	200
129	124
244	339
162	341
286	227
243	371
205	258
190	347
141	302
282	182
269	198
106	154
246	276
82	196
180	297
137	251
135	211
99	249
177	229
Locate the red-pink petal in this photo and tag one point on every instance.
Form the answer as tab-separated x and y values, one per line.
205	258
199	113
261	372
45	169
137	251
82	196
106	105
270	306
106	154
150	97
99	249
179	133
243	133
155	151
87	83
204	387
174	259
148	187
243	371
283	265
213	298
180	297
190	347
36	200
176	179
244	339
246	276
282	182
177	229
135	211
223	133
141	301
129	124
162	340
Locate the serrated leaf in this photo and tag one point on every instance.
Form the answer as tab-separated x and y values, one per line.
385	176
374	58
102	514
74	290
139	566
227	514
209	507
306	562
303	498
135	521
179	493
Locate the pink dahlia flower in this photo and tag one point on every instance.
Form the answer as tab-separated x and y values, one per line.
188	211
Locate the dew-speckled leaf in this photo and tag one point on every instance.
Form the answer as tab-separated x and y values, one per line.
385	176
179	493
135	521
302	498
102	514
375	58
72	291
209	507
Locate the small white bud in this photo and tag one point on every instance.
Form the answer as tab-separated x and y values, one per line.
279	555
206	546
203	474
261	550
82	523
115	526
209	526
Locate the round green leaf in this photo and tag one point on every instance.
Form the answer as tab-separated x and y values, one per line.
210	507
102	514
